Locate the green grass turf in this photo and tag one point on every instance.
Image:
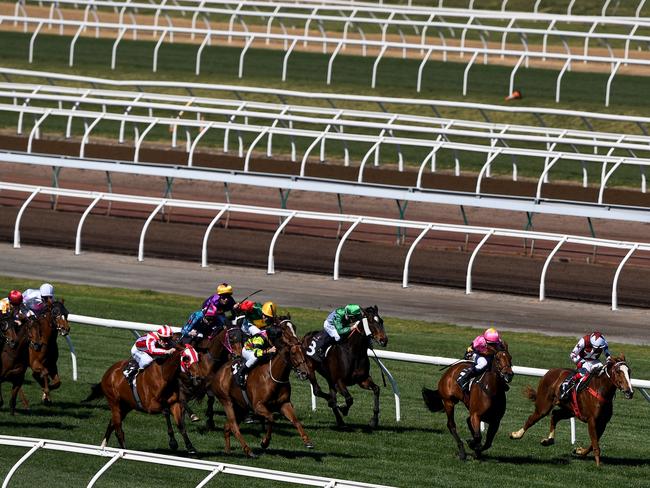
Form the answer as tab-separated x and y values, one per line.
418	451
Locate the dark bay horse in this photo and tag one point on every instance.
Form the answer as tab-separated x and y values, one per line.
157	388
347	364
13	364
486	401
268	390
43	348
593	404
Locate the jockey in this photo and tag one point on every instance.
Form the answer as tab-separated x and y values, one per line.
585	355
146	348
254	348
201	323
223	301
10	310
480	352
338	325
35	300
256	316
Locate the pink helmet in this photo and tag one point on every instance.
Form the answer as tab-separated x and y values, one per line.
189	356
491	335
597	340
165	331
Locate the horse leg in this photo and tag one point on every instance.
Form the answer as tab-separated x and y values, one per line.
41	375
209	414
493	427
232	426
331	402
107	435
343	390
16	388
594	435
557	415
262	411
2	402
474	423
179	416
288	411
173	445
56	382
451	425
368	384
23	398
541	410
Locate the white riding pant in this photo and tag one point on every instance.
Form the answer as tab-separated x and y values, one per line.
331	331
480	363
590	364
249	329
249	356
141	357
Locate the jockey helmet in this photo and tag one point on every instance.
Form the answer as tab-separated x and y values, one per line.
165	331
189	356
224	289
491	335
15	298
269	309
46	290
210	311
246	306
597	340
353	311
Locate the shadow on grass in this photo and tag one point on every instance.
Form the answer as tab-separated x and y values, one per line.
38	425
365	428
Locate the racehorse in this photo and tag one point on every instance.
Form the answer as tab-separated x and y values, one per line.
347	364
13	365
217	350
158	391
593	404
486	401
44	350
267	389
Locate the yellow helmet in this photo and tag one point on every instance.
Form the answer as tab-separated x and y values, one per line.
224	289
269	309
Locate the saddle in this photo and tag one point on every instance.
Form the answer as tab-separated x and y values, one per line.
130	371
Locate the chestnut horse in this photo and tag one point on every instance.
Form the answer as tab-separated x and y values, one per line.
593	404
486	400
13	364
43	347
158	390
268	389
347	364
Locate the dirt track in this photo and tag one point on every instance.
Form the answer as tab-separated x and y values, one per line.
501	266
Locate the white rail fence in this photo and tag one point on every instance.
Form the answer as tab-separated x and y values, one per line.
420	46
318	125
212	469
425	135
353	221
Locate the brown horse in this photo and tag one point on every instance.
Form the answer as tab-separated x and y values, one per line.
347	364
44	350
486	400
593	404
268	389
13	364
158	390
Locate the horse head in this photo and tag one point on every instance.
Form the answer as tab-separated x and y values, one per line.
503	363
190	364
34	332
287	338
373	325
60	317
619	374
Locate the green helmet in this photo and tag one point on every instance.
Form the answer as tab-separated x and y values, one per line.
353	311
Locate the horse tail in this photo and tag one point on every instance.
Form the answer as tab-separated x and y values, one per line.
432	399
531	393
96	392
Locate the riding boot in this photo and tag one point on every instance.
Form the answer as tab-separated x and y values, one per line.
240	376
567	386
130	370
465	377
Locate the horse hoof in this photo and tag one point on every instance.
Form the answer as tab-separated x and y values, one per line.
194	417
251	455
191	451
373	424
210	425
47	402
309	445
173	445
547	442
264	444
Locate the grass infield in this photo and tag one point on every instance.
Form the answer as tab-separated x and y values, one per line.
418	451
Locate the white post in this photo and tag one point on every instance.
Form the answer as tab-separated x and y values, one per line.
73	357
145	227
618	273
11	472
77	241
110	463
271	262
468	281
405	274
20	216
542	280
204	247
340	246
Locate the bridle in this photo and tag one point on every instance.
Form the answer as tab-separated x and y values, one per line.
613	367
295	346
